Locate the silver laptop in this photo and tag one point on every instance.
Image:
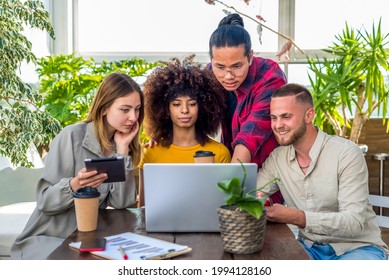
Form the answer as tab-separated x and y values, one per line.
184	197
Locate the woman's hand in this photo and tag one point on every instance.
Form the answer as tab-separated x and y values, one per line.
87	178
150	144
123	140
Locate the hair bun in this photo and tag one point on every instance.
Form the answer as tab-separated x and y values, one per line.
232	19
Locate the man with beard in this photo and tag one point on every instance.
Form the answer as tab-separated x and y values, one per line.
324	181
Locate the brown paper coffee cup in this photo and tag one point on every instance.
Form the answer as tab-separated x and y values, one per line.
87	210
86	203
204	157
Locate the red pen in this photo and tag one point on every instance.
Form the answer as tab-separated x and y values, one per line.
124	255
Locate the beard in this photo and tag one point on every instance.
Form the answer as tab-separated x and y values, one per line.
294	137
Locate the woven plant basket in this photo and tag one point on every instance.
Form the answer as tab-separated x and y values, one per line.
241	232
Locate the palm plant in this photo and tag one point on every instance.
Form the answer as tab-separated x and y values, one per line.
350	87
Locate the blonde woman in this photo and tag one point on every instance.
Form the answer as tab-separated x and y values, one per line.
111	128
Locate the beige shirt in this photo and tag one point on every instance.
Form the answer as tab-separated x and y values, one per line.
333	193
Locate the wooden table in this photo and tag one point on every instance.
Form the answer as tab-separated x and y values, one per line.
280	243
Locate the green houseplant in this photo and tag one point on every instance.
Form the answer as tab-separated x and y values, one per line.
69	82
243	201
349	87
22	120
243	219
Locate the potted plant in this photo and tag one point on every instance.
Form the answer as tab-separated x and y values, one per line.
243	219
349	87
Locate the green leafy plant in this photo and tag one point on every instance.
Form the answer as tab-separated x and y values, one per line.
22	120
244	201
69	83
350	87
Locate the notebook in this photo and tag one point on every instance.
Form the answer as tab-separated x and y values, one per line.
184	197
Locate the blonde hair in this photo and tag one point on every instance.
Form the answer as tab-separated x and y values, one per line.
114	86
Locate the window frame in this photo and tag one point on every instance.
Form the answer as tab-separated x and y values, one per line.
65	13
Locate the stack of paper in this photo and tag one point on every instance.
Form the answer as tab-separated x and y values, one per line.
137	247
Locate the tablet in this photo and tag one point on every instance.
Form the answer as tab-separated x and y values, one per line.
113	166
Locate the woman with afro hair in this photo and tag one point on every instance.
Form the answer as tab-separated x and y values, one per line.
184	106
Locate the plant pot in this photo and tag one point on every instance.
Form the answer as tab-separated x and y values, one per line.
241	233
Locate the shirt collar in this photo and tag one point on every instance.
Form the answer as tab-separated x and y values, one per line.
90	141
315	149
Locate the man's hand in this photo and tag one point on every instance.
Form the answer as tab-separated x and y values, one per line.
268	202
281	214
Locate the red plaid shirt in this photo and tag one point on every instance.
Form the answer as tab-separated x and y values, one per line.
250	121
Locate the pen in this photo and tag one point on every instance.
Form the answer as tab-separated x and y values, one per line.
157	256
124	255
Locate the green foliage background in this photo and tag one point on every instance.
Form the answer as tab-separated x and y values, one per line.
68	83
353	82
66	87
22	121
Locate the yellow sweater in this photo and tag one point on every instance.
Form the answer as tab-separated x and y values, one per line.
175	154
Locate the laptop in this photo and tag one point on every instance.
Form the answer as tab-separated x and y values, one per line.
184	197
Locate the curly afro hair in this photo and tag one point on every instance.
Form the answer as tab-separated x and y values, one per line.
176	79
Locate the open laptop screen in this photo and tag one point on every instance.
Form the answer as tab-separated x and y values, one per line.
183	197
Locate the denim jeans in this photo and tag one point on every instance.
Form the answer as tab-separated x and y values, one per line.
326	252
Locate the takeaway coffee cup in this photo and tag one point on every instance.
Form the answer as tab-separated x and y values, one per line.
86	202
204	157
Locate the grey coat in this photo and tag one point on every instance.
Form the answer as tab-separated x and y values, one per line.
54	217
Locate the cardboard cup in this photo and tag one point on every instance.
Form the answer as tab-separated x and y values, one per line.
86	203
87	210
204	157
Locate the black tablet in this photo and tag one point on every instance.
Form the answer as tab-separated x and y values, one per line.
113	166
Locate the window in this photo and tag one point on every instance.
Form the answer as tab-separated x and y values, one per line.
159	25
161	29
40	47
317	24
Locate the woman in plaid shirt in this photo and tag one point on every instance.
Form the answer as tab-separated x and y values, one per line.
250	82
